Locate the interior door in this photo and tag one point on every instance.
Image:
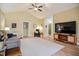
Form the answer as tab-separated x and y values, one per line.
49	29
25	28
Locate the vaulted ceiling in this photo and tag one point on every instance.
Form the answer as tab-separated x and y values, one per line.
48	8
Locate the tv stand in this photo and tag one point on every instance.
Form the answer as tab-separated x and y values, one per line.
65	38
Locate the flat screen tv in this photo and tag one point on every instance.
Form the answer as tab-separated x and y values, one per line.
66	27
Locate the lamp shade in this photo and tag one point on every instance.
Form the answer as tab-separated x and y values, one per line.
7	28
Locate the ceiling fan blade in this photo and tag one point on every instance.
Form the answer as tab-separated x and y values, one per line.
39	9
33	5
30	8
40	6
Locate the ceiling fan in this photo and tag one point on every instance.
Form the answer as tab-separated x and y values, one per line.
36	7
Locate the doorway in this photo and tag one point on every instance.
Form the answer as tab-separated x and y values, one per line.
26	29
49	29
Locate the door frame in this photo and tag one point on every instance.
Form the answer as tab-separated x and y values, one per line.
28	27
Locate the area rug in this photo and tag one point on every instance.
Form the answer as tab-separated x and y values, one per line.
38	47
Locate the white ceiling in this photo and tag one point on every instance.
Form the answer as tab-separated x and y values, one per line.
48	9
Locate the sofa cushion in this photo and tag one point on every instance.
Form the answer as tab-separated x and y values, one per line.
13	39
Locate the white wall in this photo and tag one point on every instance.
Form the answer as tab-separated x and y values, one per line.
2	20
47	20
19	18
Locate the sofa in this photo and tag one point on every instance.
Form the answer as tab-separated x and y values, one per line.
12	41
9	39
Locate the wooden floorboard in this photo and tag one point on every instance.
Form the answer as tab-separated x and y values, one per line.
13	52
69	50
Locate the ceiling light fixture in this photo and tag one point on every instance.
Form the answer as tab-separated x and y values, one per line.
35	9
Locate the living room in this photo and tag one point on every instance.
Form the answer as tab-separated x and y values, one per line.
22	21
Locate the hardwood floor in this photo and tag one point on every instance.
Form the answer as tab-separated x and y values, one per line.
13	52
69	50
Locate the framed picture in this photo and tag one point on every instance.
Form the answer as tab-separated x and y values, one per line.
13	25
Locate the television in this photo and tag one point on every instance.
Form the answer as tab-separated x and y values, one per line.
66	27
